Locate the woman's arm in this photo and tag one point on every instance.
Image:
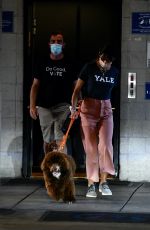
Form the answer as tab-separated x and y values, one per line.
76	93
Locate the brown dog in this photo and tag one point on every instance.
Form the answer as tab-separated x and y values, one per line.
58	171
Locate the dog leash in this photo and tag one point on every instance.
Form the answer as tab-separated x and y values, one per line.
64	139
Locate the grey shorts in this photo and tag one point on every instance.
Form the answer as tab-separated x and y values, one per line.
51	121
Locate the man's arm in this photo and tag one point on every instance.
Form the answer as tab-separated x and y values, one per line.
33	96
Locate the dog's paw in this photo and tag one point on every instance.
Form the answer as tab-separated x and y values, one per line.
70	201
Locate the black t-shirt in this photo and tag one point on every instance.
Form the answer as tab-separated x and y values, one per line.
98	84
56	82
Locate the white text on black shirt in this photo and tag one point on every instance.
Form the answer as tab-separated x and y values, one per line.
104	79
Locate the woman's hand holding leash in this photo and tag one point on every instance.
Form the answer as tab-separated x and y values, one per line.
74	112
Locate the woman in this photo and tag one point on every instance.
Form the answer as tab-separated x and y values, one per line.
96	81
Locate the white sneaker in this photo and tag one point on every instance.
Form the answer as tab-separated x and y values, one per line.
104	189
91	191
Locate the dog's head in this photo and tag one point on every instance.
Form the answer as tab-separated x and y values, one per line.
55	163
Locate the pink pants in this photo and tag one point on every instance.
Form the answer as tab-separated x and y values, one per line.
97	132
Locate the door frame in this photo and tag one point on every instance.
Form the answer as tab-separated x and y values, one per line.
27	121
27	160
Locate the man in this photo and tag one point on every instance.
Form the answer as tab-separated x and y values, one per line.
51	90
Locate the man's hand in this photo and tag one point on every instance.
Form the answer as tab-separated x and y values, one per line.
34	112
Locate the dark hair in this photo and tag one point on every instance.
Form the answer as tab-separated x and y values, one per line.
56	33
107	54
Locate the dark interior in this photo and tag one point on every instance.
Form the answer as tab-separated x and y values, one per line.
87	26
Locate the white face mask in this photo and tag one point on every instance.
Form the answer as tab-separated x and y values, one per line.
105	65
56	49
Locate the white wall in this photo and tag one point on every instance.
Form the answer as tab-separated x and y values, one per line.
11	78
135	113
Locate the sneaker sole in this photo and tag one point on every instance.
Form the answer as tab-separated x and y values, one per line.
91	196
104	194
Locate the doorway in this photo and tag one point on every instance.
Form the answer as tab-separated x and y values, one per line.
87	26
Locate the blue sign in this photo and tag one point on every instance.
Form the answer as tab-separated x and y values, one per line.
147	90
141	23
7	21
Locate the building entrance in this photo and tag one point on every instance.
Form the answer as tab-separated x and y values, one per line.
87	26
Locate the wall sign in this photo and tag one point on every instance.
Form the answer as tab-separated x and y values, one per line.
7	21
147	90
141	23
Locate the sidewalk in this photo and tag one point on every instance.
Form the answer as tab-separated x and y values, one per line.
27	199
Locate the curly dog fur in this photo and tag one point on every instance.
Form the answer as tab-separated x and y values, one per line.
58	171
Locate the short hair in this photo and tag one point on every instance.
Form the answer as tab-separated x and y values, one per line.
56	33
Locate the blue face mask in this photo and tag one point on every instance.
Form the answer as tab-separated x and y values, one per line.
56	49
